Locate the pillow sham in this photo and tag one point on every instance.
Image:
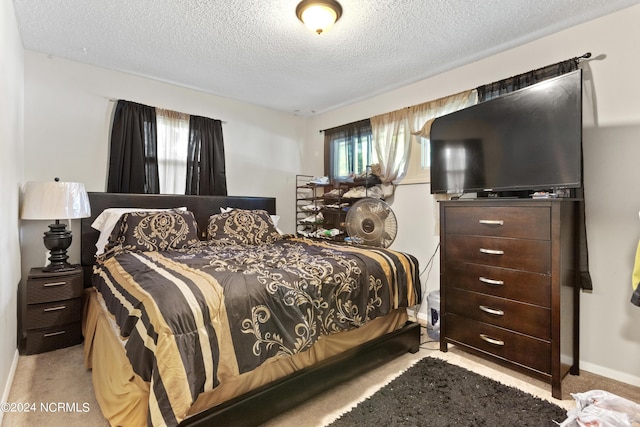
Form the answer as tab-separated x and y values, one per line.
274	218
240	226
153	231
108	218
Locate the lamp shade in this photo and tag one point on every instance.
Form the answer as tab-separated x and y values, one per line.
55	200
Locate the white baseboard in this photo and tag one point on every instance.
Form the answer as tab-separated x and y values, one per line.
610	373
423	319
420	317
7	386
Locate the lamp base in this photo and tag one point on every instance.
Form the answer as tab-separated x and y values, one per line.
58	240
57	268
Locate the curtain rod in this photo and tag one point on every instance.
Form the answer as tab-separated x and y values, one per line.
346	124
577	58
224	122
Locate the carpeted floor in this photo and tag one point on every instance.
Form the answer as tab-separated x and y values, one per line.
436	393
60	376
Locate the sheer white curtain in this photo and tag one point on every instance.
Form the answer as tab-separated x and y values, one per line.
392	132
423	115
173	141
391	138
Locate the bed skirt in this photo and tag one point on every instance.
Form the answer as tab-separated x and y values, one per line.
124	397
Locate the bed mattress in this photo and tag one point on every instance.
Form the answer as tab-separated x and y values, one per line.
124	397
197	326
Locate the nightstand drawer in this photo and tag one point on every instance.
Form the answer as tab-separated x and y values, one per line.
54	313
499	221
47	287
518	254
524	286
508	345
524	318
53	310
52	338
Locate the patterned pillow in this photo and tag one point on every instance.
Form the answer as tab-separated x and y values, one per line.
153	231
242	227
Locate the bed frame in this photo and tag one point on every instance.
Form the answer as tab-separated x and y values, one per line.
266	402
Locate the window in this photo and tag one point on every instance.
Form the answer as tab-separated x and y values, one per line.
418	166
348	150
189	150
422	116
173	141
401	145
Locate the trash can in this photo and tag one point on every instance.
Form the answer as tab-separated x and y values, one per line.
433	310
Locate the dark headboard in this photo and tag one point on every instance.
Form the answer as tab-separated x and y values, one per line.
201	206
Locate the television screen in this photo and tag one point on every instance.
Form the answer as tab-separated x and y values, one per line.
529	139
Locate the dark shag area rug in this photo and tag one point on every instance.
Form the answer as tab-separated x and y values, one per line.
436	393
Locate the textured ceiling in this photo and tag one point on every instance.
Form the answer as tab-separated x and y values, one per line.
257	51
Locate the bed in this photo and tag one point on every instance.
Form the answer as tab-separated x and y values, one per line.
231	329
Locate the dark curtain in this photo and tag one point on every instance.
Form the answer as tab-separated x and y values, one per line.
520	81
350	143
206	173
133	159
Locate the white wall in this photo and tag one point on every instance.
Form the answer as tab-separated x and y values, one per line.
68	109
610	336
11	142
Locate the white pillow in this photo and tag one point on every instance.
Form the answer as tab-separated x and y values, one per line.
105	222
274	218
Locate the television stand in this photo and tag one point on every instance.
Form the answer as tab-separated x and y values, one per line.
529	194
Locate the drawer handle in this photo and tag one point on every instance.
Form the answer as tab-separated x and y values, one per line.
491	340
60	307
491	310
491	221
46	285
491	281
491	251
53	334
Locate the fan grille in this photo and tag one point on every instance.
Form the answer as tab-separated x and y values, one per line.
371	222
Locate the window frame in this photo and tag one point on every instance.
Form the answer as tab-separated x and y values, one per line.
352	135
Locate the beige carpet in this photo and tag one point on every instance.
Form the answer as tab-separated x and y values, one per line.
59	381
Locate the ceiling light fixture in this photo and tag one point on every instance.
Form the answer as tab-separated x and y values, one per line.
319	14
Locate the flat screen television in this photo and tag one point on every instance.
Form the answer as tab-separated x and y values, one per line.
524	141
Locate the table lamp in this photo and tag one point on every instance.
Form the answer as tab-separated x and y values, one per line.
55	200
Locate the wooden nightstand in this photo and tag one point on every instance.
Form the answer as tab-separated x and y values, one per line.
54	310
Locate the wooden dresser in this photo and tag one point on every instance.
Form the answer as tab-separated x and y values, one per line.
54	310
509	288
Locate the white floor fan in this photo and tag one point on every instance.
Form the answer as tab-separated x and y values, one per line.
371	222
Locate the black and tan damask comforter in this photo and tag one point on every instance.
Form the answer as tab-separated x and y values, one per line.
196	317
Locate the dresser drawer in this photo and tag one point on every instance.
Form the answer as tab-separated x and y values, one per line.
54	287
518	254
54	313
47	339
508	345
499	221
524	286
525	318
